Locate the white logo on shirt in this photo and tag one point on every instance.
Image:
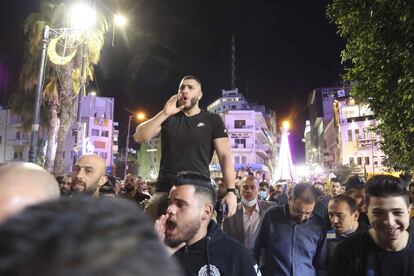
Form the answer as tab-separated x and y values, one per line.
213	271
200	124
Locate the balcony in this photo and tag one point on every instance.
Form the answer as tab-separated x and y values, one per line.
262	151
24	140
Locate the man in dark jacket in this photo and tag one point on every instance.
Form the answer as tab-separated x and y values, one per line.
292	239
205	249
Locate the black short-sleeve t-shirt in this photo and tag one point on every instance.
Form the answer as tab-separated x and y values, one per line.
187	145
360	255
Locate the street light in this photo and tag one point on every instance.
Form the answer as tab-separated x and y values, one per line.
140	117
82	17
119	20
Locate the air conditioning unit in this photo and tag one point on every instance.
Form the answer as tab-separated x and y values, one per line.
341	93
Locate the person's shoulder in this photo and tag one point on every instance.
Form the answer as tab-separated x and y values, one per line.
263	204
355	241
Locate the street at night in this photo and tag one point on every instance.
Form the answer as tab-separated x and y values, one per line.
150	137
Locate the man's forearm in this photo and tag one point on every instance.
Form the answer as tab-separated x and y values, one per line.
147	130
227	170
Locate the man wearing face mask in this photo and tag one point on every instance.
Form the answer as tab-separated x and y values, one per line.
244	224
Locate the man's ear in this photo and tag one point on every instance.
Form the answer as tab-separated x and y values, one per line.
207	211
200	95
102	180
356	214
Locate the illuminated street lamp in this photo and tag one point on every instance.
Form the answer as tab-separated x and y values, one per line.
120	21
140	117
82	17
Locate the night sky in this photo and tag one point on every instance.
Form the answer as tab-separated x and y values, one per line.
284	49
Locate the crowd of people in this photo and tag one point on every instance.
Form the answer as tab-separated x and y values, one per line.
88	223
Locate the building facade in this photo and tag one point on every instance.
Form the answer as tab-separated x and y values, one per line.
14	142
358	142
98	131
252	133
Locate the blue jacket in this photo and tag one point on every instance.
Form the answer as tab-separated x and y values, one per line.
291	248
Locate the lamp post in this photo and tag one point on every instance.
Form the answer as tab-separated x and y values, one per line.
140	117
39	88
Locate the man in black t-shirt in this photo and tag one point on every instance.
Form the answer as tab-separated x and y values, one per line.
387	248
189	137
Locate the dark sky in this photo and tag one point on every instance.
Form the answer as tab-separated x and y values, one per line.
284	49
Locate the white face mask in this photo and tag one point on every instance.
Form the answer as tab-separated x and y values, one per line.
249	203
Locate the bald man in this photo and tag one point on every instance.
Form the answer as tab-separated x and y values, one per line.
23	184
89	174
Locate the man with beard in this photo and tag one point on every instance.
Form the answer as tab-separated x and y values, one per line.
88	175
189	137
133	189
65	185
387	248
205	249
293	240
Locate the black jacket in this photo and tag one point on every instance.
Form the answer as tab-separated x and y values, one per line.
218	254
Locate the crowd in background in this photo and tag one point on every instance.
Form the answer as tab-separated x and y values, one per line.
288	229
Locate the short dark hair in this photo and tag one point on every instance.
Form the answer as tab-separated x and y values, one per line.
202	184
264	183
385	186
192	77
336	179
354	182
305	192
347	199
82	236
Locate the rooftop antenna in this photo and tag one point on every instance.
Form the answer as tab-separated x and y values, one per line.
233	62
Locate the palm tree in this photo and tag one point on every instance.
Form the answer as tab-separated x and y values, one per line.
62	81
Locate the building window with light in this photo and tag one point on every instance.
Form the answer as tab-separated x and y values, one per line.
243	160
349	135
239	123
357	134
351	161
237	159
105	133
95	132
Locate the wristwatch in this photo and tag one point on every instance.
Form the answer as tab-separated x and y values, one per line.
231	190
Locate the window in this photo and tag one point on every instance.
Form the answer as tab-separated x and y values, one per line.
240	143
366	160
104	155
95	132
359	161
357	134
0	140
349	135
351	160
105	133
239	123
243	160
18	136
237	159
74	132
